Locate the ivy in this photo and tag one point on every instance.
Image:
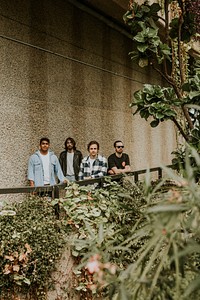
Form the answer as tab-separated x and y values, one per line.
31	241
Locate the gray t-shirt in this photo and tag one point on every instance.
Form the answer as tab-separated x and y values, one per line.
70	168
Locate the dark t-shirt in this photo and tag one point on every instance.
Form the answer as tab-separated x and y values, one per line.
118	162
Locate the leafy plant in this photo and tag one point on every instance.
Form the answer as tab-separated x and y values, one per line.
100	219
129	241
162	36
156	102
31	241
158	256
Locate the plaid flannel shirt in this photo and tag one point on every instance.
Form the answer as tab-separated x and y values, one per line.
99	168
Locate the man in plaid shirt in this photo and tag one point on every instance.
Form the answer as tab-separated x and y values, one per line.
93	165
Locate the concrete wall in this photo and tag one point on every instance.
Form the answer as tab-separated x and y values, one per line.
66	73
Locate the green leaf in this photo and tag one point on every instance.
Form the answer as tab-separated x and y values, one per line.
154	8
142	48
145	8
144	113
159	115
100	234
168	208
192	287
165	49
134	55
139	37
75	253
193	94
95	212
149	89
170	113
27	281
154	123
7	213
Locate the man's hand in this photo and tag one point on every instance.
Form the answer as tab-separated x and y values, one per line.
32	183
111	172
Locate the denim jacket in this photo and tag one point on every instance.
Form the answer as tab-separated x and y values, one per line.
36	172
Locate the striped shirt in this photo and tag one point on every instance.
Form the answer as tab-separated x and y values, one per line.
98	169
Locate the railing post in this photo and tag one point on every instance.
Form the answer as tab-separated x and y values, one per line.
159	173
53	192
56	192
101	182
136	177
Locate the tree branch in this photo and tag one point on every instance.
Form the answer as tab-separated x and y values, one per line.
180	57
180	129
163	75
187	116
166	7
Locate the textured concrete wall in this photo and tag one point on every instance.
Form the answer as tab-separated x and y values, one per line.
59	69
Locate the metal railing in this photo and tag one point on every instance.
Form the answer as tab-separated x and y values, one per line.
55	189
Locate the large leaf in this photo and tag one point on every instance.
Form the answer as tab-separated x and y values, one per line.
154	123
168	208
142	47
140	37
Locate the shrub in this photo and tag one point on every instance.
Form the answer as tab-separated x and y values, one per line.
31	240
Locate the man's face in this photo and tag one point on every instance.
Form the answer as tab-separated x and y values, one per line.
69	145
93	150
44	146
119	148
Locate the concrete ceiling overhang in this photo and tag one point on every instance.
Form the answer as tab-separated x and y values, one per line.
109	11
114	9
112	12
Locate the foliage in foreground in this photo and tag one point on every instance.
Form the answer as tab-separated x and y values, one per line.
129	241
138	245
100	219
31	240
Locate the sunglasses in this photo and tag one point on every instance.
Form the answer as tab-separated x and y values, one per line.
119	147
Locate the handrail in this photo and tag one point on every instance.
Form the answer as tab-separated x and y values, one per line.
56	188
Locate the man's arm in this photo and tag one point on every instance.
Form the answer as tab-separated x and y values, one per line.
81	172
114	170
59	172
31	176
103	170
80	157
127	168
61	159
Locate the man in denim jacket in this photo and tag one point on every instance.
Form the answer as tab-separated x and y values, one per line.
44	167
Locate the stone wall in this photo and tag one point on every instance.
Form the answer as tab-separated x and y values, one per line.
66	73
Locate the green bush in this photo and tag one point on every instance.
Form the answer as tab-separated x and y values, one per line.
31	240
147	247
130	241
